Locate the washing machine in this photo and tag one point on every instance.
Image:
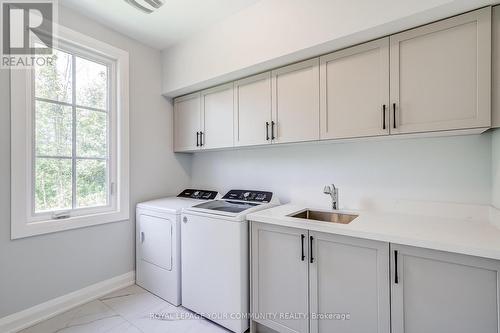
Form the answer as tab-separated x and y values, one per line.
215	256
158	248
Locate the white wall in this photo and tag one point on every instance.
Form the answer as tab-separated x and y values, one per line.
369	173
36	269
272	33
496	168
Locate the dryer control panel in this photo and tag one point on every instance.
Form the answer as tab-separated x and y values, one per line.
198	194
248	195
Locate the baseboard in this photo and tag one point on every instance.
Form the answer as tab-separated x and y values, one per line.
29	317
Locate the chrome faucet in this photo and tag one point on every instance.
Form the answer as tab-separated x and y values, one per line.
334	193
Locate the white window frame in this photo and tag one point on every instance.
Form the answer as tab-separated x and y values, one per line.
24	221
111	146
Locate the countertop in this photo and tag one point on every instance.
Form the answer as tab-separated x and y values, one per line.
477	238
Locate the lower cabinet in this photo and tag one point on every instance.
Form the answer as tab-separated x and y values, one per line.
435	292
280	277
305	281
348	289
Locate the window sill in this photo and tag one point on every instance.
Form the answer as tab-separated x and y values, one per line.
22	230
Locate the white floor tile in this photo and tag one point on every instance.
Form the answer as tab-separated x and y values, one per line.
91	317
133	302
128	310
126	327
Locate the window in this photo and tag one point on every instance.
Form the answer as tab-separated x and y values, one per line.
71	134
70	138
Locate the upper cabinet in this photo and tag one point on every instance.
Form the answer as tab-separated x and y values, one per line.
496	67
295	108
217	117
252	119
355	91
441	75
187	122
204	120
437	77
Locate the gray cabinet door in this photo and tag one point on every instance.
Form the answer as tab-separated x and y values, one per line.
279	277
345	75
295	97
441	75
217	106
436	292
252	105
187	122
349	284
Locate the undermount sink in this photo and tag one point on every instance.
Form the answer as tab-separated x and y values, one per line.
331	217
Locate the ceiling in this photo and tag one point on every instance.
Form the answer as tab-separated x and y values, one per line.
174	21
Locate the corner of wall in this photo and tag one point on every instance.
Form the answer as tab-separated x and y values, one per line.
495	169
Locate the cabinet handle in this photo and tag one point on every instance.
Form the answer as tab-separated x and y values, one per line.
396	278
142	236
394	114
303	237
197	139
267	131
311	238
383	117
201	139
272	130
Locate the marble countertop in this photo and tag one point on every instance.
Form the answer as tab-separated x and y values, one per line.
472	237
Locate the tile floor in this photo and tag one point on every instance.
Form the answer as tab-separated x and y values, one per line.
126	311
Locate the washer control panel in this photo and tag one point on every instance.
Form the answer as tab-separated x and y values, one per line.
248	195
198	194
